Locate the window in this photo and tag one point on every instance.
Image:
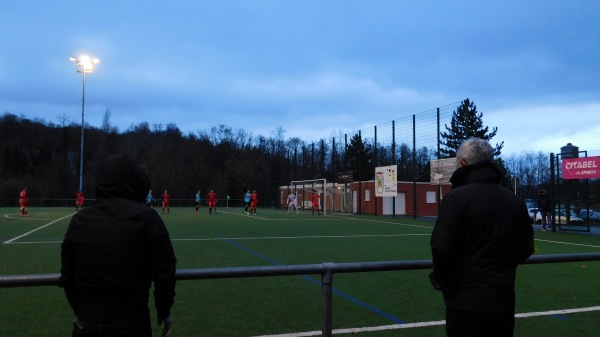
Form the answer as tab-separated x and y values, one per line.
430	197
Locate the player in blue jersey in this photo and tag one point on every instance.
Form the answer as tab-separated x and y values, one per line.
198	201
246	201
149	199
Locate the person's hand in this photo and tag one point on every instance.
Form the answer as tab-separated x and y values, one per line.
168	325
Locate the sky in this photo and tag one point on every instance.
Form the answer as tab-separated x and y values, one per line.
314	68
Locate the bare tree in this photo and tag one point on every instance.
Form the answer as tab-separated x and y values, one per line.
531	169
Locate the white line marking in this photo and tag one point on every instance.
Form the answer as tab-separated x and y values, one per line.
426	324
557	312
247	215
256	238
302	237
568	243
386	222
32	242
20	217
37	229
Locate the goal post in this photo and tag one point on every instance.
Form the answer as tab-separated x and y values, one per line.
304	190
333	197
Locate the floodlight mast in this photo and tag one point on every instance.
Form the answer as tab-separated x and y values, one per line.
84	64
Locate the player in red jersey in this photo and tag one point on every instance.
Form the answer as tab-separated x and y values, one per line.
211	199
166	202
253	202
79	199
23	202
315	202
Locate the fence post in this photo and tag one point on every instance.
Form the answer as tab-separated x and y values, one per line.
415	177
327	286
376	163
395	162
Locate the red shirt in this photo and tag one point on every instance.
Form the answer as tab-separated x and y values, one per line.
23	198
79	198
211	198
315	198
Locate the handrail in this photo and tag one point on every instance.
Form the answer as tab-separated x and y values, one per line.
326	270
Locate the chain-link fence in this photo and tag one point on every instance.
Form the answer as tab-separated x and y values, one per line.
410	142
576	201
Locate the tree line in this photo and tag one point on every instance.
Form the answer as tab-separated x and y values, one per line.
44	157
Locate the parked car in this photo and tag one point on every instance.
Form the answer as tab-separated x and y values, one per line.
560	218
530	203
533	212
593	215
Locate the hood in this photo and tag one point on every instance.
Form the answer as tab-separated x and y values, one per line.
486	172
119	176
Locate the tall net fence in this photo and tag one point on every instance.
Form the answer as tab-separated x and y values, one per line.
409	142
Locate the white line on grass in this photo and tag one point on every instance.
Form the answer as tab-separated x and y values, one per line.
427	324
303	237
336	217
388	222
568	243
286	217
20	217
557	312
247	215
33	242
37	229
246	238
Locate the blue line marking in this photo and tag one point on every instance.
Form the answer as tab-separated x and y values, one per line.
310	279
252	252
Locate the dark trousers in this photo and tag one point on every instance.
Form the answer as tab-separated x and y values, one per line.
461	323
92	326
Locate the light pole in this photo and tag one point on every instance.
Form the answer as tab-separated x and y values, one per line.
84	64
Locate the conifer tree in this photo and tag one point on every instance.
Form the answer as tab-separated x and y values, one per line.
359	158
466	123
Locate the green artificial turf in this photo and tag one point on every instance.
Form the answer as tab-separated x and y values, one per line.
279	305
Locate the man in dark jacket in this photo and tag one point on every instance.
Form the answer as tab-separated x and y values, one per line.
482	233
545	206
113	250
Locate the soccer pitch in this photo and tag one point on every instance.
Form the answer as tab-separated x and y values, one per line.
552	299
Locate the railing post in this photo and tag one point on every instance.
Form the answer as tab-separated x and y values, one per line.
327	286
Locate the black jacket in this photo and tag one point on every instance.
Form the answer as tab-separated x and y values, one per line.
544	203
482	233
115	248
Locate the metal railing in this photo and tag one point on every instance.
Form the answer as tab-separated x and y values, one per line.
326	270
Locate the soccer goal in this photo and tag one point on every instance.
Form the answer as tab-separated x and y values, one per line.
332	197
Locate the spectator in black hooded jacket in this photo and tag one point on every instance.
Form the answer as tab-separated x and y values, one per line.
545	206
112	252
482	233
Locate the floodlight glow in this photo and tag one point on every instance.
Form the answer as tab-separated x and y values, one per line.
84	64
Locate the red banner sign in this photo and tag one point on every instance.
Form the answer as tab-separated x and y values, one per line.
581	168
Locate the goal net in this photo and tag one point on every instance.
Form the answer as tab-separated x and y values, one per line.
332	197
